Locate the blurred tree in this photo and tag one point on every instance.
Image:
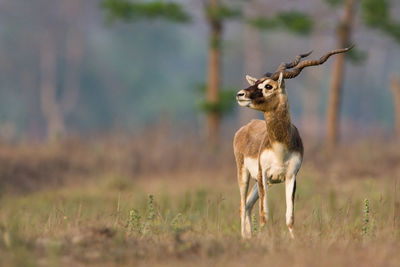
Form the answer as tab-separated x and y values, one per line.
48	87
57	106
73	55
49	47
343	36
130	11
292	21
58	96
216	14
375	14
396	101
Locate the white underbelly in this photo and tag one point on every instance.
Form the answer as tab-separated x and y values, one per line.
276	167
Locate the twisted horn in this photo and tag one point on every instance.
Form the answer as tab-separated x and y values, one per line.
289	74
284	66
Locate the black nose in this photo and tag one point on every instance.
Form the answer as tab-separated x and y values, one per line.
240	94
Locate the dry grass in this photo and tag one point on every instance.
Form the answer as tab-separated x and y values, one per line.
87	203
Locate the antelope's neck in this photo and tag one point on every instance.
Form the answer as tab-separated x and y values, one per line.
279	123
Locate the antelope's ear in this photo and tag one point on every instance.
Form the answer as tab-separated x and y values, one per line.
251	80
280	80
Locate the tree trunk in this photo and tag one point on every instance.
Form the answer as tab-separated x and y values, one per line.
214	73
73	56
48	88
343	39
396	102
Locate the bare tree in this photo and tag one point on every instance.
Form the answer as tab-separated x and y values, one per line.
55	105
343	38
214	70
73	55
395	86
48	87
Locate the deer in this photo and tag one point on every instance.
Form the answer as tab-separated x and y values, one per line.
270	150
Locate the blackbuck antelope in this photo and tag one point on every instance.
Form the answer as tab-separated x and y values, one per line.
270	151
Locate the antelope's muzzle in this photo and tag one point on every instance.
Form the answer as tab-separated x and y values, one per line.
242	99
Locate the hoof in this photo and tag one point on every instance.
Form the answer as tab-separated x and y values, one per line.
246	236
291	232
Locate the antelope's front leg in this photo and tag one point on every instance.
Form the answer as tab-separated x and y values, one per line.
263	200
243	180
290	188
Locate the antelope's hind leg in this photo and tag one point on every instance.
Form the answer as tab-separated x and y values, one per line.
243	181
251	200
290	188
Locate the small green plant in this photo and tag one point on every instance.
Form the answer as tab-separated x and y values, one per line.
134	224
366	217
177	222
151	214
254	225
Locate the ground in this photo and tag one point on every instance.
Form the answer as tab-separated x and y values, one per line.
79	211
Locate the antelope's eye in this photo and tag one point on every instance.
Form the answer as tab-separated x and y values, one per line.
268	87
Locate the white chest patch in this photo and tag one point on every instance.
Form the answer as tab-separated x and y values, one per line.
277	164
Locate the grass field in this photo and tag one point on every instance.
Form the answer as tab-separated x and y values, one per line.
87	205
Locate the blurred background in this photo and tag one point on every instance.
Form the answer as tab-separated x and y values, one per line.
117	120
85	68
126	84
